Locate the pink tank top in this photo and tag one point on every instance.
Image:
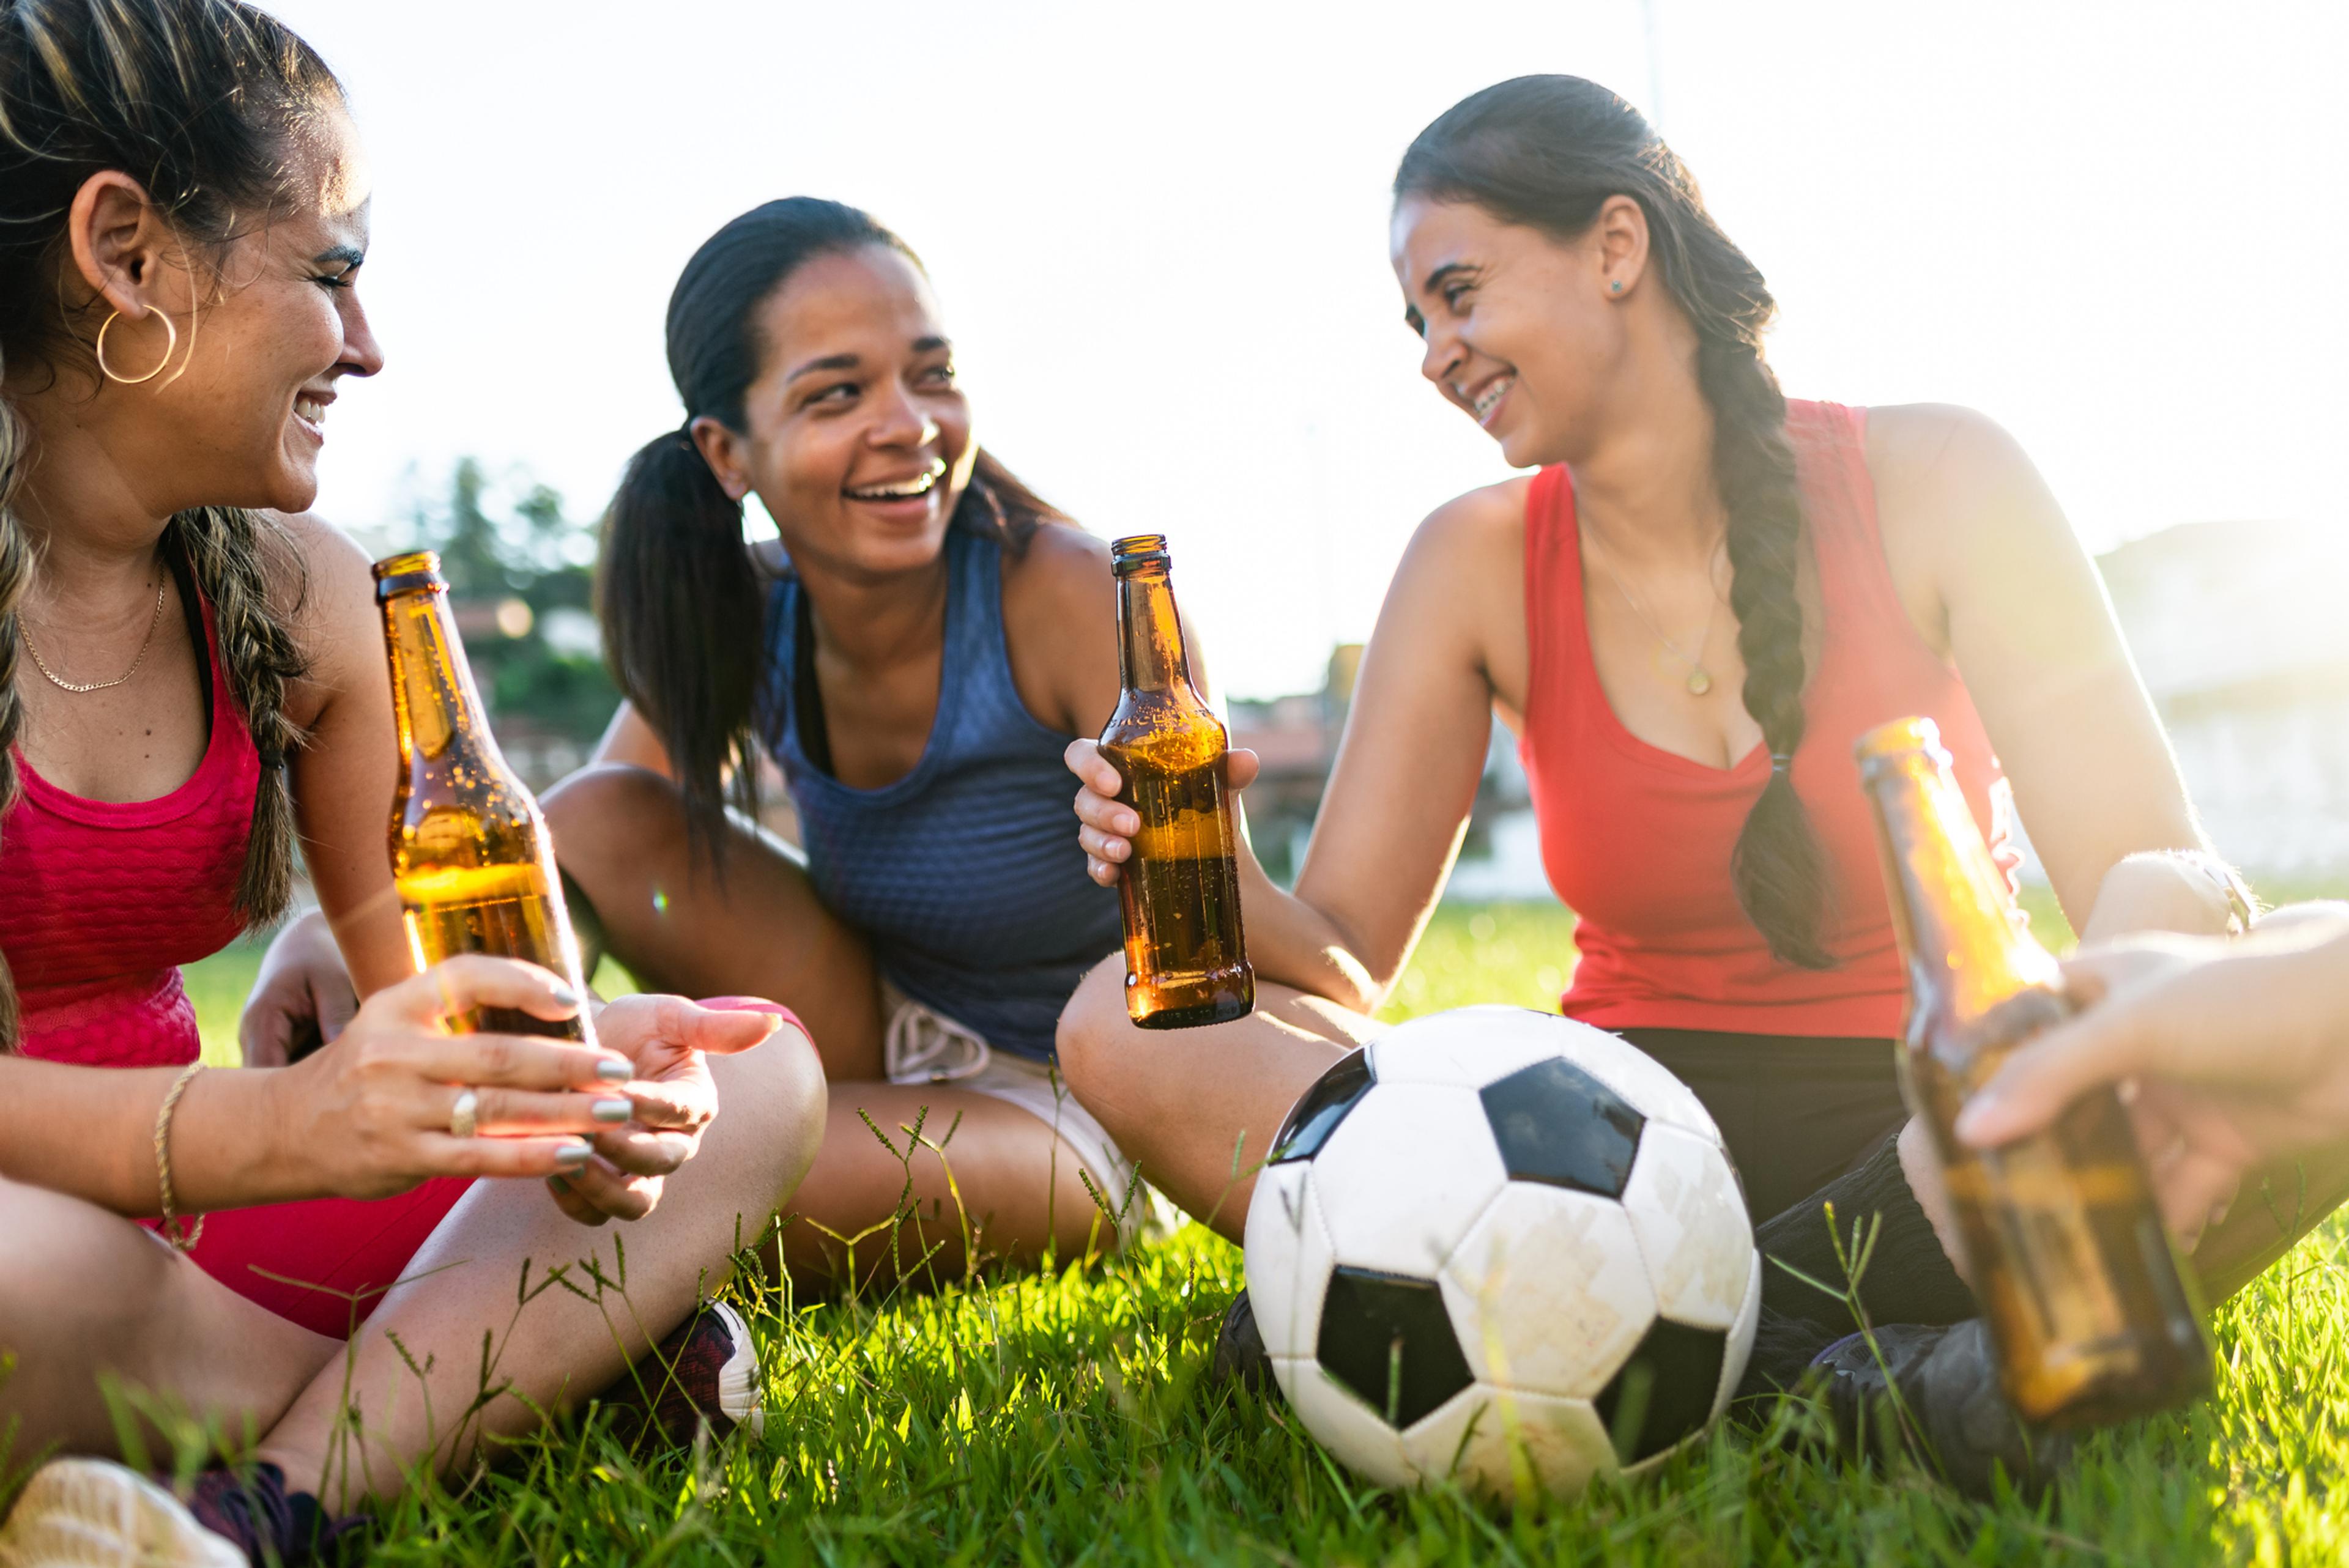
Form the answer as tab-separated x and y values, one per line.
1636	840
105	901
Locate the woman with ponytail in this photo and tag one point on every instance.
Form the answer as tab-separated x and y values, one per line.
1688	615
914	652
192	679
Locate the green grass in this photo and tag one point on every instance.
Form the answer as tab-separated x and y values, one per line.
1056	1419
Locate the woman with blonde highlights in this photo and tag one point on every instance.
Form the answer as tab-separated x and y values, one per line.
191	677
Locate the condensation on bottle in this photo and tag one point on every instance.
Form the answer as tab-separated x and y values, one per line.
471	855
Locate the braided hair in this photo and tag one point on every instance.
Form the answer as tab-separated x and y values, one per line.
199	102
1546	152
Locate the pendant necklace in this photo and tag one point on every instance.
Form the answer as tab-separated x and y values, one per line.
1699	680
82	688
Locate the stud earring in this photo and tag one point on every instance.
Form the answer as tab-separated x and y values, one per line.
1615	288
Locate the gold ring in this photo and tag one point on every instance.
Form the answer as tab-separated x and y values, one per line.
463	1122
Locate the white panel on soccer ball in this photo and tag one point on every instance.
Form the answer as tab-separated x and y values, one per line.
1404	1175
1740	1348
1345	1426
1288	1258
1467	1048
1549	1290
1690	1217
1470	1438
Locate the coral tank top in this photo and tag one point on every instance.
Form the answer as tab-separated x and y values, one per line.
1636	840
105	900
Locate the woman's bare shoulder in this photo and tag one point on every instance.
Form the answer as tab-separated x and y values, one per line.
319	579
1061	569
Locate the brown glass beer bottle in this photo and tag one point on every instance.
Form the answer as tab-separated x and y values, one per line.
469	852
1185	960
2086	1299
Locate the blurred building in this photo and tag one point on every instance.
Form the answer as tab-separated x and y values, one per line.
2241	633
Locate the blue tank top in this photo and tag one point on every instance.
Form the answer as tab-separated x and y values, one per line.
965	875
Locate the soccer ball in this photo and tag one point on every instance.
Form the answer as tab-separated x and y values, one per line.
1496	1247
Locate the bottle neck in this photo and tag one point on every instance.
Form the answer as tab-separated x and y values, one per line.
434	703
1150	657
1961	935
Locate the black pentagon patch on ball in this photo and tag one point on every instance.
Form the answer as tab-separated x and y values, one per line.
1320	1109
1664	1392
1388	1339
1556	1124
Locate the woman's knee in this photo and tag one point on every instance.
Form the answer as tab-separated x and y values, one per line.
610	816
75	1274
777	1101
1095	1039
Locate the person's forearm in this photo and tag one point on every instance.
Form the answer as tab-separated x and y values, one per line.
91	1132
1293	944
2155	892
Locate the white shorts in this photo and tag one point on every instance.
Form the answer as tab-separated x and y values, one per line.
921	1044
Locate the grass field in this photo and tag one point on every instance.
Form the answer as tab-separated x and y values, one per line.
1055	1419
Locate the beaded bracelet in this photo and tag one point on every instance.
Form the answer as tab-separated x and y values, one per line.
186	1237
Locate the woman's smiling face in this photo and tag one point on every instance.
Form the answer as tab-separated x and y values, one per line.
1522	329
857	439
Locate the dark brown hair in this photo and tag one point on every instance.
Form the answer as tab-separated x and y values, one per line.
199	102
684	619
1548	152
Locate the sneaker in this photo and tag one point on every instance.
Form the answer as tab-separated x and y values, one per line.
706	1373
1955	1414
1240	1355
94	1514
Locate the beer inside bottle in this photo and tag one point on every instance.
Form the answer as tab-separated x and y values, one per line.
1186	959
2087	1301
469	852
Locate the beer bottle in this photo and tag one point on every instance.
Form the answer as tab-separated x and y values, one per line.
469	852
2086	1295
1186	961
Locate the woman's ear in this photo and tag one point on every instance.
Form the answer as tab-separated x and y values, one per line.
119	244
1620	235
721	449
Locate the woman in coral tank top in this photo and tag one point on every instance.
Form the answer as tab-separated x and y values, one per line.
1688	613
191	675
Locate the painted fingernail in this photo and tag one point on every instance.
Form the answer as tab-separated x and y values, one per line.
567	995
612	1111
572	1156
611	1069
557	1184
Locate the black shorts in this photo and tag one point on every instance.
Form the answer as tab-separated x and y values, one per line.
1797	1111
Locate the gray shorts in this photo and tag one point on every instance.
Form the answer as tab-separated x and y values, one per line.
921	1044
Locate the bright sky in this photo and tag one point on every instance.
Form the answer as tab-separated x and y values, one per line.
1160	236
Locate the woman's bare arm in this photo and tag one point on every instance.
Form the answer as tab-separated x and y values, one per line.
343	777
1999	583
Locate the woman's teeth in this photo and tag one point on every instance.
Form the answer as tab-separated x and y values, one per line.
309	409
1492	394
904	490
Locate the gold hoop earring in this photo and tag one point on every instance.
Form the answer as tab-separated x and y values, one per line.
170	347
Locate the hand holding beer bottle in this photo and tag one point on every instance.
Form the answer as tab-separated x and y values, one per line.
2082	1287
1185	956
469	852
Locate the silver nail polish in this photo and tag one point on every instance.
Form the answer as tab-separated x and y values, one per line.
614	1071
572	1156
613	1110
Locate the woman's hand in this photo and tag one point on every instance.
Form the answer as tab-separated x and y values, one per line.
301	998
2237	1053
672	1098
1107	825
371	1114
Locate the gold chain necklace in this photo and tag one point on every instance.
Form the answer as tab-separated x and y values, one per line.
1699	680
80	687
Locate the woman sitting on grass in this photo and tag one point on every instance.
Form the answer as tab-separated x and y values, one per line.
915	653
185	682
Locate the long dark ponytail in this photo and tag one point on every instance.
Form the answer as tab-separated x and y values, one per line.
1546	152
683	617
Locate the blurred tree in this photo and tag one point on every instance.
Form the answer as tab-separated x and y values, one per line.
522	581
